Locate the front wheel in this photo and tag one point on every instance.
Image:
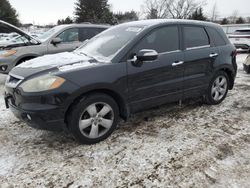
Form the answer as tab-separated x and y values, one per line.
218	88
94	118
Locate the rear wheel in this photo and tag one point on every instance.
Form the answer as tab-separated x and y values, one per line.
94	118
218	88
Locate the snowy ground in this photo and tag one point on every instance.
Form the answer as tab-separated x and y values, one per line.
190	146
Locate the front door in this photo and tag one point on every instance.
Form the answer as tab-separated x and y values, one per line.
160	81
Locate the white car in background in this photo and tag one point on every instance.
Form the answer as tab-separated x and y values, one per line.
241	39
7	37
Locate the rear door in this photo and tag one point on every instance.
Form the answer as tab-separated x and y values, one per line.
160	81
200	56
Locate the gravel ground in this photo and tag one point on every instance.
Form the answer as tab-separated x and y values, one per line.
190	146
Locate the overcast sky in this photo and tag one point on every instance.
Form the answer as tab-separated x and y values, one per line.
49	11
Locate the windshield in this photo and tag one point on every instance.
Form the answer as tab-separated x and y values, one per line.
107	44
49	33
19	39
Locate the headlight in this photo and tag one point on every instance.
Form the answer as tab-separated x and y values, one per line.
7	53
42	83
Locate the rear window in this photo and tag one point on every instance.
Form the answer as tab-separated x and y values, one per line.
216	37
195	37
242	32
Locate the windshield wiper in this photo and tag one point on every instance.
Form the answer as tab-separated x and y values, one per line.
91	57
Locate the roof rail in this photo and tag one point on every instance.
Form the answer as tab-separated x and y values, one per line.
85	23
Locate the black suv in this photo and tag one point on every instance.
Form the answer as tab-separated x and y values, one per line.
125	69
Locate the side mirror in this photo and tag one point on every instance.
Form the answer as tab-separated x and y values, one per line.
56	41
147	55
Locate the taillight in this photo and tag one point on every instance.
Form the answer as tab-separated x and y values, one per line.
234	53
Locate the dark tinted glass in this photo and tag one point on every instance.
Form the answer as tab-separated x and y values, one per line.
242	32
162	40
88	33
195	37
217	38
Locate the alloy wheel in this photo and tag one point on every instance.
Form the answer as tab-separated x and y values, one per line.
96	120
219	88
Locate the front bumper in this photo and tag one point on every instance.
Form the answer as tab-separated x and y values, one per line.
45	117
6	64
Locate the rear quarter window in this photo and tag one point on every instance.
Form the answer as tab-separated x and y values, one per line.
195	37
218	40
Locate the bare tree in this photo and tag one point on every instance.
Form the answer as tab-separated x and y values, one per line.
182	9
177	9
155	9
248	19
214	13
234	16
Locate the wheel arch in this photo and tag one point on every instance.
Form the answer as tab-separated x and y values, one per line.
121	102
231	76
25	58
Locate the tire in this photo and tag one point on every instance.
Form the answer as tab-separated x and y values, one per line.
217	91
93	118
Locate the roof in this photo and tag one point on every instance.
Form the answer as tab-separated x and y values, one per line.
153	22
242	29
84	25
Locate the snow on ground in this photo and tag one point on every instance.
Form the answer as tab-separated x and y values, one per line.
190	146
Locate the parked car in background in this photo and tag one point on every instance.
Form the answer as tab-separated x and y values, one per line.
241	39
125	69
246	64
63	38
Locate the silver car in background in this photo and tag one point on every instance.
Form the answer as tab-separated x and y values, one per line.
241	39
63	38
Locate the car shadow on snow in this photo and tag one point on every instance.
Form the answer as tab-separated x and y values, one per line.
137	121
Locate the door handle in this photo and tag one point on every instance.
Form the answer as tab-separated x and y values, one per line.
213	55
177	63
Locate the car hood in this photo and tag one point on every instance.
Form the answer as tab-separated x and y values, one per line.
61	62
8	28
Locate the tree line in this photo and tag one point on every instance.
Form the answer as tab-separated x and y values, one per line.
99	12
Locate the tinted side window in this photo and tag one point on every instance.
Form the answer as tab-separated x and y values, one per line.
217	38
165	39
242	32
88	33
195	37
69	35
